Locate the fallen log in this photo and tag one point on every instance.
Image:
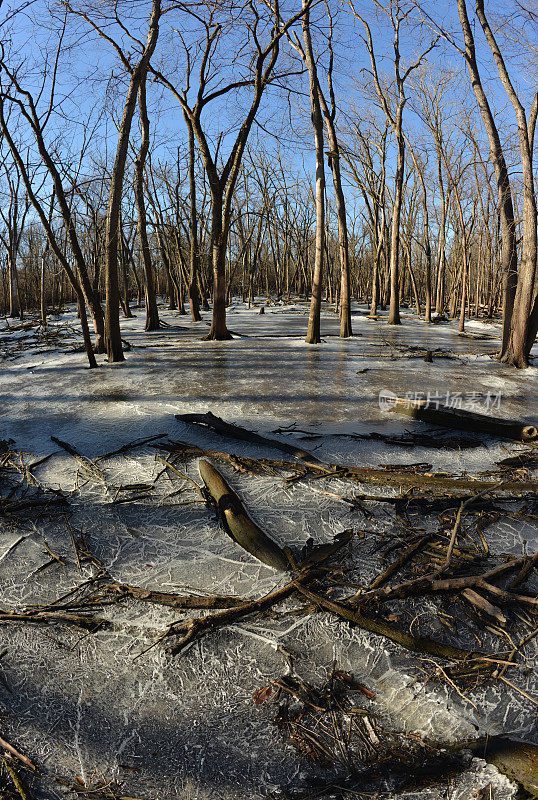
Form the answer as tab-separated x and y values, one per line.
517	760
218	425
238	523
439	483
461	419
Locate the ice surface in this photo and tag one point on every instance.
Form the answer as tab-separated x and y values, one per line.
89	704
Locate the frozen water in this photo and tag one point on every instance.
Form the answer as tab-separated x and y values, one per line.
89	704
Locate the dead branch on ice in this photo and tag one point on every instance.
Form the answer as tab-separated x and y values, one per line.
461	419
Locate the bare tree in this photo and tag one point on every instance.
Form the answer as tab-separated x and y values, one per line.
398	13
333	157
137	74
13	218
222	181
520	321
366	155
16	96
524	316
420	169
57	250
313	335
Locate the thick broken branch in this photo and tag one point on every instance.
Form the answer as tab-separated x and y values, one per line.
238	524
218	425
369	475
461	419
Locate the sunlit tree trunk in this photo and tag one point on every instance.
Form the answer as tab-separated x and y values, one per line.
313	335
194	255
508	227
152	314
112	304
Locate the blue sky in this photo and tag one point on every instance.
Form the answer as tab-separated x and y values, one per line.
90	99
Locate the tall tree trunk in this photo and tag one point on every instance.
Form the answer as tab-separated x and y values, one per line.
124	301
343	245
394	309
112	318
313	332
508	226
218	255
520	329
14	307
152	314
194	255
43	297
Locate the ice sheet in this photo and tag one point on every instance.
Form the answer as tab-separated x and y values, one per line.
83	704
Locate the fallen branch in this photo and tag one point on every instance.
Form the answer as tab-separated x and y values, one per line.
461	419
15	779
400	561
508	597
457	524
172	600
530	563
218	425
419	644
430	584
194	628
15	753
483	605
79	620
89	467
126	447
430	482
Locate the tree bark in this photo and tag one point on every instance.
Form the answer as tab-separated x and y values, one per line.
152	313
14	307
43	298
334	162
218	329
313	332
508	226
112	305
394	308
194	294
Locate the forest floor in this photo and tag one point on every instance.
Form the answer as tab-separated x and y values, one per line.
356	715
